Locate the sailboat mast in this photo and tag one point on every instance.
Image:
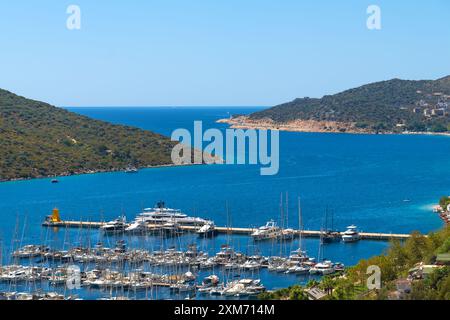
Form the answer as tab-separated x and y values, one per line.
332	220
282	222
287	209
228	224
300	224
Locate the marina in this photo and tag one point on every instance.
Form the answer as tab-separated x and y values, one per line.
165	253
242	154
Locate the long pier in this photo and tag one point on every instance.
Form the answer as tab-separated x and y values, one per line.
229	230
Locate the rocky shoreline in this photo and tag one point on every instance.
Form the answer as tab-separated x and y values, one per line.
244	122
210	159
312	126
67	174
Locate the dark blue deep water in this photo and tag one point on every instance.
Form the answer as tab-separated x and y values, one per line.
381	183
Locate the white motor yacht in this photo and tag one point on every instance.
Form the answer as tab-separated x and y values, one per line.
323	268
299	269
251	265
160	215
137	227
351	234
207	230
269	231
115	226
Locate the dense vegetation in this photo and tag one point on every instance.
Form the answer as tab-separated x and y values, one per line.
379	106
394	264
444	202
37	139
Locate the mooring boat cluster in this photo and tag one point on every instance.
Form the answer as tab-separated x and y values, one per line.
227	258
34	296
178	269
120	268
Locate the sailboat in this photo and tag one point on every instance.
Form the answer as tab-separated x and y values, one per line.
330	235
324	267
299	262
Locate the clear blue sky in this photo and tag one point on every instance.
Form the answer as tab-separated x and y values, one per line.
206	52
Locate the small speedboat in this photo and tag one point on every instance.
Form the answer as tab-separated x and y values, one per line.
299	269
207	230
131	170
251	265
137	227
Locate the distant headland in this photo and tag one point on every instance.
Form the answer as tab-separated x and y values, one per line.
393	106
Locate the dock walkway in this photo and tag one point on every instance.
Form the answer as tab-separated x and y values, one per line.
242	231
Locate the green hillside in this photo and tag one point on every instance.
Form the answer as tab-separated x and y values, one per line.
415	262
382	106
37	139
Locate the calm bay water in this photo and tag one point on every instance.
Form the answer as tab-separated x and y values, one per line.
381	183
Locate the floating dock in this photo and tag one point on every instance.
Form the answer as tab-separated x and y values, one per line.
242	231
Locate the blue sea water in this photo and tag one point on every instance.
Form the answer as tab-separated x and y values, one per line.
381	183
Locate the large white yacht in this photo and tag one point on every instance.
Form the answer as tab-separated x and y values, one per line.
351	234
161	215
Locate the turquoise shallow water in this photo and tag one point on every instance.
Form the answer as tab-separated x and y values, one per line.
382	183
